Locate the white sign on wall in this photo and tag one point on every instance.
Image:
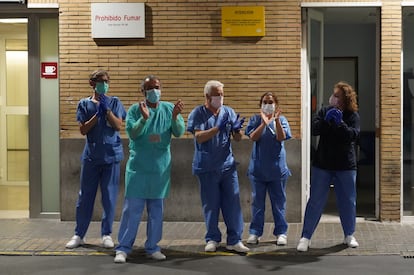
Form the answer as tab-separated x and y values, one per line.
118	20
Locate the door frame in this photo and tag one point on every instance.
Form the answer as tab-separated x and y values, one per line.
306	92
34	103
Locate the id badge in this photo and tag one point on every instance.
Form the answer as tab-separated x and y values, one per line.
154	138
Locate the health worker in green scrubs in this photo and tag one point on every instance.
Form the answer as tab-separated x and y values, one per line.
150	126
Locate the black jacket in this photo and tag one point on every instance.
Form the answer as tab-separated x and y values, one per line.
337	143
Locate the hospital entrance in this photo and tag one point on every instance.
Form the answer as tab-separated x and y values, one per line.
343	47
14	134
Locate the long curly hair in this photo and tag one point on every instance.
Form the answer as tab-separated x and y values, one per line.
350	96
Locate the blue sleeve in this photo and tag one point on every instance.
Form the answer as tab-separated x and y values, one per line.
231	112
254	122
194	120
117	108
286	127
82	111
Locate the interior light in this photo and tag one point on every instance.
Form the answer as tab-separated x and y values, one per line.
13	20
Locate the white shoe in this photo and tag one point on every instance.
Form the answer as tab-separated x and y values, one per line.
253	239
157	256
303	245
107	241
75	242
350	241
238	247
211	246
281	239
120	257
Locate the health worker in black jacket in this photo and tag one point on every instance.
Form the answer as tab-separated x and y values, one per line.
334	162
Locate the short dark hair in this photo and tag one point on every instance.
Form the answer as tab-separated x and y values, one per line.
148	78
269	94
98	74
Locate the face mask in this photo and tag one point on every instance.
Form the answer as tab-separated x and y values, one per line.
333	101
101	87
153	95
268	109
217	101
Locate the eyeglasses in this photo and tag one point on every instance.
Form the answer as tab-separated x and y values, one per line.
102	80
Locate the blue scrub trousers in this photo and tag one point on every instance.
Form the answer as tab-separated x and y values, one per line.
107	177
344	182
131	218
277	195
220	190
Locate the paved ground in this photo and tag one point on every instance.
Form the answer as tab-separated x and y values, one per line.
49	236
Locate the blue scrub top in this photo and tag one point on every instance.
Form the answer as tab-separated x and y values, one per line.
268	158
103	143
216	153
148	169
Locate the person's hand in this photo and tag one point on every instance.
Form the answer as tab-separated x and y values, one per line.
334	115
265	118
103	106
221	122
144	110
178	108
238	123
100	112
103	102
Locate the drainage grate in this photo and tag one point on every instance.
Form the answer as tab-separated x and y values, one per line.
407	254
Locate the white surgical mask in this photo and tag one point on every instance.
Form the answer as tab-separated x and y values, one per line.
333	101
217	101
268	109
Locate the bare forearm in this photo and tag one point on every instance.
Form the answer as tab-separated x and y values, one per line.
203	136
114	121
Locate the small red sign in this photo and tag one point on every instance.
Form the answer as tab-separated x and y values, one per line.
49	69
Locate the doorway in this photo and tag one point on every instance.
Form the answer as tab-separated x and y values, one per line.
342	46
14	123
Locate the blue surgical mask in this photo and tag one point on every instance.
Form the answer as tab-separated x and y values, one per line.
101	87
153	95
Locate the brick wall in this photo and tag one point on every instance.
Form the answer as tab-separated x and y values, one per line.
184	47
390	111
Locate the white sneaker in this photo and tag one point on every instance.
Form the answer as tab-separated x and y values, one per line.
350	241
157	256
303	245
238	247
107	241
281	239
75	242
120	257
211	246
253	239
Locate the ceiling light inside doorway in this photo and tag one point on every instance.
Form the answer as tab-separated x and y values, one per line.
13	20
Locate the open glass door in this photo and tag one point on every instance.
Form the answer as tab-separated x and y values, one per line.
312	88
14	135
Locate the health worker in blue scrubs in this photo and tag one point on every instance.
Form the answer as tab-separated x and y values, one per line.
150	125
268	171
100	118
213	125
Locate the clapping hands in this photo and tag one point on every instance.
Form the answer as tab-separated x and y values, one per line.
221	122
237	125
334	115
103	105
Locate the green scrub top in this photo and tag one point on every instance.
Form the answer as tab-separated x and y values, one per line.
148	169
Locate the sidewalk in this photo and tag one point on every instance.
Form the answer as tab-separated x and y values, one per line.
48	237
